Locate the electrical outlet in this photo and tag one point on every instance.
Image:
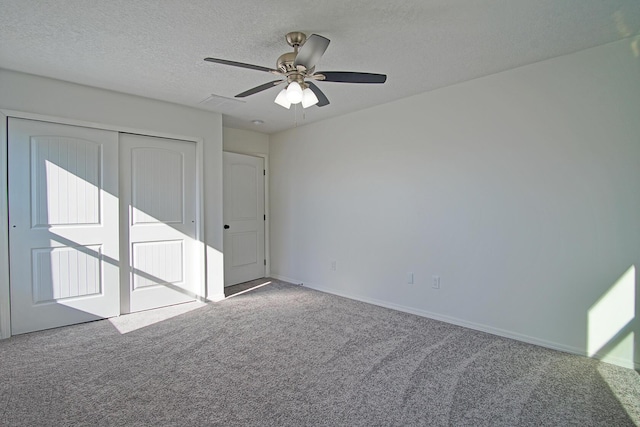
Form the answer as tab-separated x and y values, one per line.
435	282
410	278
333	265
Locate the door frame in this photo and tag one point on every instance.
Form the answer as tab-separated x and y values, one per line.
5	114
267	253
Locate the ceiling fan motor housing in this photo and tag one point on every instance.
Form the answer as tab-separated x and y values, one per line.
296	39
285	62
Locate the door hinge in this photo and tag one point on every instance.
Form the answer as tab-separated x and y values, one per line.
265	262
265	217
264	172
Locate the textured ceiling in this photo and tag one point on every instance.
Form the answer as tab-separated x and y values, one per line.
155	48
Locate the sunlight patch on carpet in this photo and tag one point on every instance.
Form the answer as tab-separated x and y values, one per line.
134	321
249	290
626	392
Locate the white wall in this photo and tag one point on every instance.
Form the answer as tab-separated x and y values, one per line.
521	190
245	141
31	94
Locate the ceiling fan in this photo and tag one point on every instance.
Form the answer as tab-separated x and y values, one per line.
297	69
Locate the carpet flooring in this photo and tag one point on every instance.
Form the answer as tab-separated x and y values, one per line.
285	355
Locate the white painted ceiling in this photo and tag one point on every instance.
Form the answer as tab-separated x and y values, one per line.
155	48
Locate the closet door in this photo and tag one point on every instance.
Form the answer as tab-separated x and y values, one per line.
63	217
158	208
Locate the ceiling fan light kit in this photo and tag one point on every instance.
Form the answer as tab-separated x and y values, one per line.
289	96
296	67
308	98
294	93
282	99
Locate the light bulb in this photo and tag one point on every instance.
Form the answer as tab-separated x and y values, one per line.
294	93
282	99
308	98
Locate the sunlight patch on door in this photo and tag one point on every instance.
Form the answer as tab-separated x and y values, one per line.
65	181
64	273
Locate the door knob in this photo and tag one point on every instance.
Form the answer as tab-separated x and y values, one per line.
226	227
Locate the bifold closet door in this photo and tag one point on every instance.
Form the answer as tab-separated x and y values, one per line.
158	213
63	229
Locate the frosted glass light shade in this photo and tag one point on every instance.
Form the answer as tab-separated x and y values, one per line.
294	93
308	98
282	99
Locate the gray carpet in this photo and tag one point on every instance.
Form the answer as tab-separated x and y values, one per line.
283	355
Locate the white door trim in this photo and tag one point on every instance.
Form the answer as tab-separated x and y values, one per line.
267	231
95	125
5	304
5	313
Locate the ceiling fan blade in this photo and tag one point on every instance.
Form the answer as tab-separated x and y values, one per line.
242	65
352	77
259	88
322	99
311	51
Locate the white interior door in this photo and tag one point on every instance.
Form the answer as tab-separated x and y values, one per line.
244	219
63	213
158	209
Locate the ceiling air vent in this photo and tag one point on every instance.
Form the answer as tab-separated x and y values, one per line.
217	102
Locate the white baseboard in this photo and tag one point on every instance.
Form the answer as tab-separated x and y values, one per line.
615	360
464	323
216	297
288	280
